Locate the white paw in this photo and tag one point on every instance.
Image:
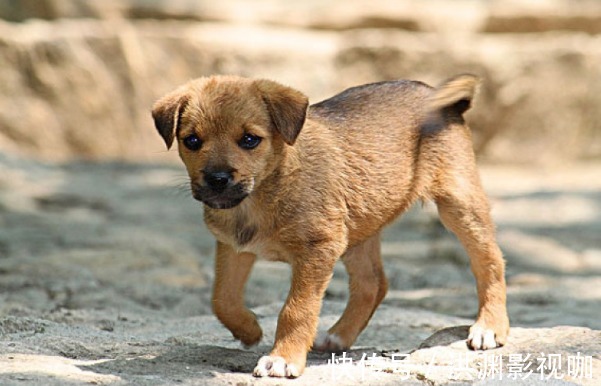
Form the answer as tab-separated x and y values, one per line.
481	338
275	366
328	343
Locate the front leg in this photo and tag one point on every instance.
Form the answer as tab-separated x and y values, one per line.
297	323
231	273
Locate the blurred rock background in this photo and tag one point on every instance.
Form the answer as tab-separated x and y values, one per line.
77	77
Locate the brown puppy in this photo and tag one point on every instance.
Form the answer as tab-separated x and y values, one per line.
310	185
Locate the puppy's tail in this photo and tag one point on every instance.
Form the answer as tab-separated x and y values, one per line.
456	93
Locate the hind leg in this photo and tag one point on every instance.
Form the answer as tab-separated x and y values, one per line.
367	285
464	209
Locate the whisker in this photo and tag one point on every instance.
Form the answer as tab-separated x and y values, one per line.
179	185
181	190
178	180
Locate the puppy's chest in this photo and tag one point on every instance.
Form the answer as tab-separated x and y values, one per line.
248	233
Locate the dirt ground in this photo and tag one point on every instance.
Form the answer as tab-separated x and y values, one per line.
106	271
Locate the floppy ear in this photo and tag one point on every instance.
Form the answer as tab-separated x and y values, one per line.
167	113
286	106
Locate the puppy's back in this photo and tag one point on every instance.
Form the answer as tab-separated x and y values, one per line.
368	101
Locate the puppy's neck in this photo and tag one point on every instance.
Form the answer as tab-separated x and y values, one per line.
252	219
290	160
287	162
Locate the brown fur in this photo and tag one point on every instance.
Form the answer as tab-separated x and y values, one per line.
320	186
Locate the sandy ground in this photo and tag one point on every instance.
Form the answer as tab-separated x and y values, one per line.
106	269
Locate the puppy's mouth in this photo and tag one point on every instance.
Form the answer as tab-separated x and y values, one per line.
227	199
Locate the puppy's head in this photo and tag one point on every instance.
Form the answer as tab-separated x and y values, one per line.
231	133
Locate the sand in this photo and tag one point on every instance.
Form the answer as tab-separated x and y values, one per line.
106	272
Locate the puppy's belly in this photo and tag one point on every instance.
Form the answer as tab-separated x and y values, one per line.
265	251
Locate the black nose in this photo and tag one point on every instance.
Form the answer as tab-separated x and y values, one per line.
218	181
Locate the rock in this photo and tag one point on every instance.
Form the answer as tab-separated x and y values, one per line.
83	88
529	354
505	16
23	10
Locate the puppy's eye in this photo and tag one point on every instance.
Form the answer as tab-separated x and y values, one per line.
249	141
192	142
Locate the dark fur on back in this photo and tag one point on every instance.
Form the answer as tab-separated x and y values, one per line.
360	100
446	103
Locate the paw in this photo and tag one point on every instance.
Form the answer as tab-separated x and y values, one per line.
249	332
326	342
483	338
250	345
250	338
275	366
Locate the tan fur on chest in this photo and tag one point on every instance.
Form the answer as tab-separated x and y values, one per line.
248	229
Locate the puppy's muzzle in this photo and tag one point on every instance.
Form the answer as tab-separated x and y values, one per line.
218	181
218	190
